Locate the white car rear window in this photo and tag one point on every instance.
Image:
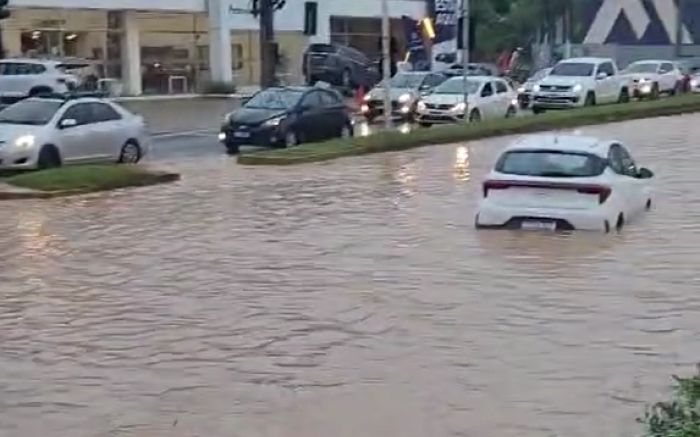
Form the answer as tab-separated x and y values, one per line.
550	163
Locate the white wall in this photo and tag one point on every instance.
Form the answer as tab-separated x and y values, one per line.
151	5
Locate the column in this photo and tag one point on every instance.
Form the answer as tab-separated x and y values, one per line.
220	61
11	39
131	55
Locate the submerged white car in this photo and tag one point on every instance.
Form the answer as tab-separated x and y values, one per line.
488	97
49	132
551	182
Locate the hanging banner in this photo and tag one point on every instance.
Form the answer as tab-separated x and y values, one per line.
417	54
445	14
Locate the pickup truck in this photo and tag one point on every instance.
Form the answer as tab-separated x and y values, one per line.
579	82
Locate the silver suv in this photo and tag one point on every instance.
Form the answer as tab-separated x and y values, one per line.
20	78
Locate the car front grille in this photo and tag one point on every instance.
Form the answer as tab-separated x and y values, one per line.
555	88
438	106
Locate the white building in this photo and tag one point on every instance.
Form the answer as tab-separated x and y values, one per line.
161	46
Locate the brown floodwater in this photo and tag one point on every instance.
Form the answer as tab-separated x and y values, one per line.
348	298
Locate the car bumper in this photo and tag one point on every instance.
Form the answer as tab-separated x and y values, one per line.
501	217
375	108
558	101
439	117
17	159
256	136
642	90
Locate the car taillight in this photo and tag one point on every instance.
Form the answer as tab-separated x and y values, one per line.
602	191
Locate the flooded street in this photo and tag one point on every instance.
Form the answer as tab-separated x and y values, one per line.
349	298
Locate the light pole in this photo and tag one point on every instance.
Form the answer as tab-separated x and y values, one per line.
386	63
465	55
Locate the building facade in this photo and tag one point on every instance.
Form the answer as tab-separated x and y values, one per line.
166	46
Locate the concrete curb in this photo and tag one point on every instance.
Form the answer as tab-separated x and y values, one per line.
10	192
181	97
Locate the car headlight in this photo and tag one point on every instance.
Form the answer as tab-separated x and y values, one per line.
694	83
577	88
421	105
25	141
536	88
367	97
644	80
273	122
521	90
404	98
459	107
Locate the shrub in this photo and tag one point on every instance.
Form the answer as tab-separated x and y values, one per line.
679	417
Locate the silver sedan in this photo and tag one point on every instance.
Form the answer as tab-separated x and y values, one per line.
50	132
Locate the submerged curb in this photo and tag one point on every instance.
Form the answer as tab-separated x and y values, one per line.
395	141
11	192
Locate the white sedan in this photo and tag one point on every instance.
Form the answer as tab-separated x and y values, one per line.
49	132
552	182
488	97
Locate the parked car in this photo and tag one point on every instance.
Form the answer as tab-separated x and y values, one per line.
688	67
21	78
406	89
552	182
286	117
487	97
45	132
339	65
694	83
525	90
650	78
578	82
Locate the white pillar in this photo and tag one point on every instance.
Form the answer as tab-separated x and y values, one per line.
131	55
220	61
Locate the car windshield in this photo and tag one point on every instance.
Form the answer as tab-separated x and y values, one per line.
406	80
456	86
550	163
32	112
642	67
274	99
579	69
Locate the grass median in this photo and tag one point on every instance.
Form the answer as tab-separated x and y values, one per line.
394	141
86	178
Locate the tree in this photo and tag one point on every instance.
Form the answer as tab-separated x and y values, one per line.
265	11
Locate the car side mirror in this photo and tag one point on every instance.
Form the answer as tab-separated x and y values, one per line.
245	100
68	122
644	173
602	75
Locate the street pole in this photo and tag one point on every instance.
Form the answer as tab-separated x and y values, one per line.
679	28
267	67
465	55
386	63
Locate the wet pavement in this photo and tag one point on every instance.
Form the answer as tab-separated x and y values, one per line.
346	298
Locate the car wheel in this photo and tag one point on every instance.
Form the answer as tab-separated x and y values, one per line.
620	223
537	111
424	124
655	91
346	131
290	139
40	90
676	89
511	112
232	149
624	96
131	153
49	157
590	100
475	116
648	205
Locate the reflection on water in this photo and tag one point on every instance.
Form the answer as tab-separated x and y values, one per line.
346	298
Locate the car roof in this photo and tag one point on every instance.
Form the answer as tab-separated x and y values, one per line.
588	60
476	78
29	61
563	142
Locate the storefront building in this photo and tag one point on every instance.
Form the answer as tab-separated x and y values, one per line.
178	46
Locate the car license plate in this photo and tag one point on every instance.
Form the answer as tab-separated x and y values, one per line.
241	134
535	225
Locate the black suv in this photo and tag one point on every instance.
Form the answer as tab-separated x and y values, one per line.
340	66
285	117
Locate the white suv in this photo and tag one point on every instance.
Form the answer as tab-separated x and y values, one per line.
580	82
653	77
20	78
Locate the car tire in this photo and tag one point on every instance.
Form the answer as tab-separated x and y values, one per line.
49	157
232	149
511	112
620	222
648	205
474	116
424	124
677	88
655	92
131	153
40	90
290	139
590	100
537	111
624	96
